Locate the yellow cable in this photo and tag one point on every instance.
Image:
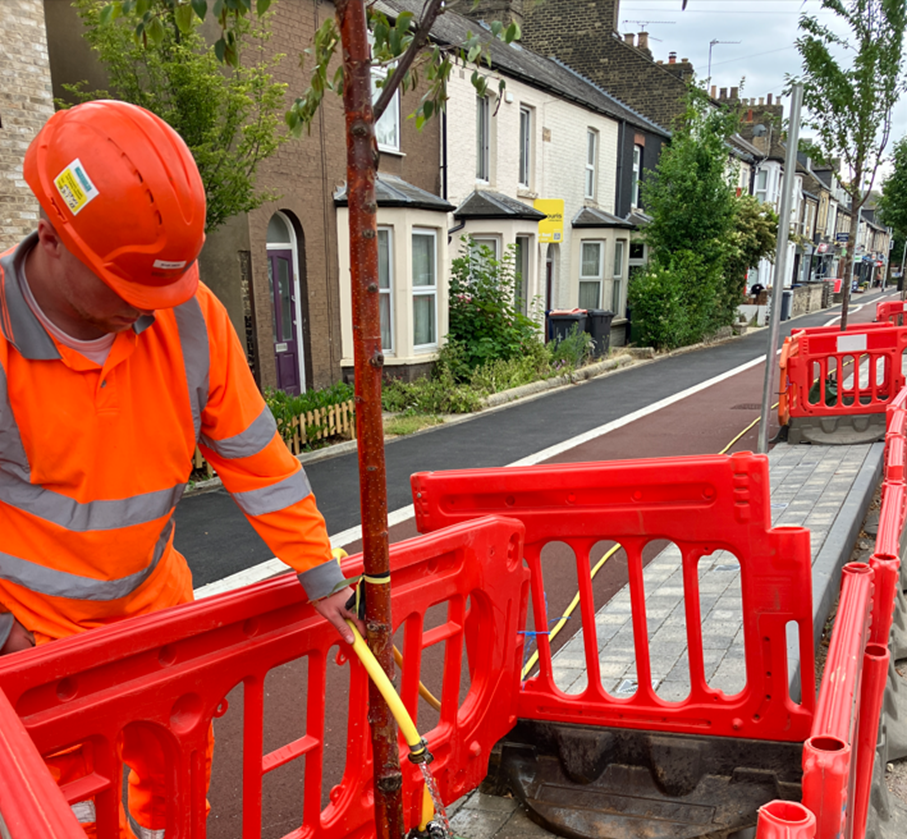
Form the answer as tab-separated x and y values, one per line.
424	692
559	625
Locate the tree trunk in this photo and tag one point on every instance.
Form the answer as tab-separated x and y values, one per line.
362	159
848	265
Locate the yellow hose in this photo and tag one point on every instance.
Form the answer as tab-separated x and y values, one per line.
379	677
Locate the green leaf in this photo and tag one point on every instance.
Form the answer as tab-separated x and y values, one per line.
220	47
109	13
183	15
496	28
200	7
261	6
155	30
474	53
141	6
512	33
428	108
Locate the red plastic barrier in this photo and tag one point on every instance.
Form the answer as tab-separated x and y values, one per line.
31	804
785	820
826	773
827	770
875	678
172	671
701	504
890	311
857	371
891	519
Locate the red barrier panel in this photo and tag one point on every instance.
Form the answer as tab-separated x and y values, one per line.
891	519
702	505
875	678
857	371
826	773
785	820
890	311
170	673
838	706
31	804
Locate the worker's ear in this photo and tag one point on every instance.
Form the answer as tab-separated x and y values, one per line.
49	240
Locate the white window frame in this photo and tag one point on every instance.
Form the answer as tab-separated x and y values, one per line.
390	119
387	293
637	175
591	163
591	278
483	139
525	176
427	291
760	187
617	283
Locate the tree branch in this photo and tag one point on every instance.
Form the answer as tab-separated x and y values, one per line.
430	13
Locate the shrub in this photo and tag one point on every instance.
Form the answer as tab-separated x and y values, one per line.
570	352
485	323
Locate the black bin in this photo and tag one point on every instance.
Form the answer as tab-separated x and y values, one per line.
786	299
598	325
560	324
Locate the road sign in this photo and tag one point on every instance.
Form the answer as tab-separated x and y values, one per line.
842	237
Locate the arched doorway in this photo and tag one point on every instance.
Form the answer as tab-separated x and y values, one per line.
283	272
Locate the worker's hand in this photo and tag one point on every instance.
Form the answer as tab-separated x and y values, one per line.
19	638
333	609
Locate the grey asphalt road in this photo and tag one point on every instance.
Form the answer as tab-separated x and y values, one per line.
218	541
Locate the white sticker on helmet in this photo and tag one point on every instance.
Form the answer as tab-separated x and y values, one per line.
169	266
75	187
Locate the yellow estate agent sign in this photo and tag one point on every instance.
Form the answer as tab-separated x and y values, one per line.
551	229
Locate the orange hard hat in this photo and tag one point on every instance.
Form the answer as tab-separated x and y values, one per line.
123	192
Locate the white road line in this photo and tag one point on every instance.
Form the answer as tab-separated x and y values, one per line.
274	566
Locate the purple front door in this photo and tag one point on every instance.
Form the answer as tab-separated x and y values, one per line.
286	340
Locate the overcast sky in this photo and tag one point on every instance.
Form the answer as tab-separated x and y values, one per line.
766	30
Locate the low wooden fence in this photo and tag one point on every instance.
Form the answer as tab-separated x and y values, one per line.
308	428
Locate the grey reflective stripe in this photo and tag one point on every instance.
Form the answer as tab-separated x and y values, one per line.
56	583
28	336
84	812
6	625
93	515
321	580
193	334
270	499
12	453
247	443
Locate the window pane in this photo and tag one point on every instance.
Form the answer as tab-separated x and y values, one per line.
590	148
384	266
524	146
482	138
423	260
618	258
423	319
615	297
286	314
591	260
384	303
387	129
277	231
588	295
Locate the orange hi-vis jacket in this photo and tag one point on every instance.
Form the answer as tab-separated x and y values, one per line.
94	459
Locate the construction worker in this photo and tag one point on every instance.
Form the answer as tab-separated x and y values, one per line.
115	361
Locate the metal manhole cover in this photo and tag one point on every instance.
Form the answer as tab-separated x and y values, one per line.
747	406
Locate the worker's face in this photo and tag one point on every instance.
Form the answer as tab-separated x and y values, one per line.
93	301
82	304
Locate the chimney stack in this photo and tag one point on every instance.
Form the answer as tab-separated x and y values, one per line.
768	99
672	58
761	100
629	37
735	92
713	92
643	43
723	93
